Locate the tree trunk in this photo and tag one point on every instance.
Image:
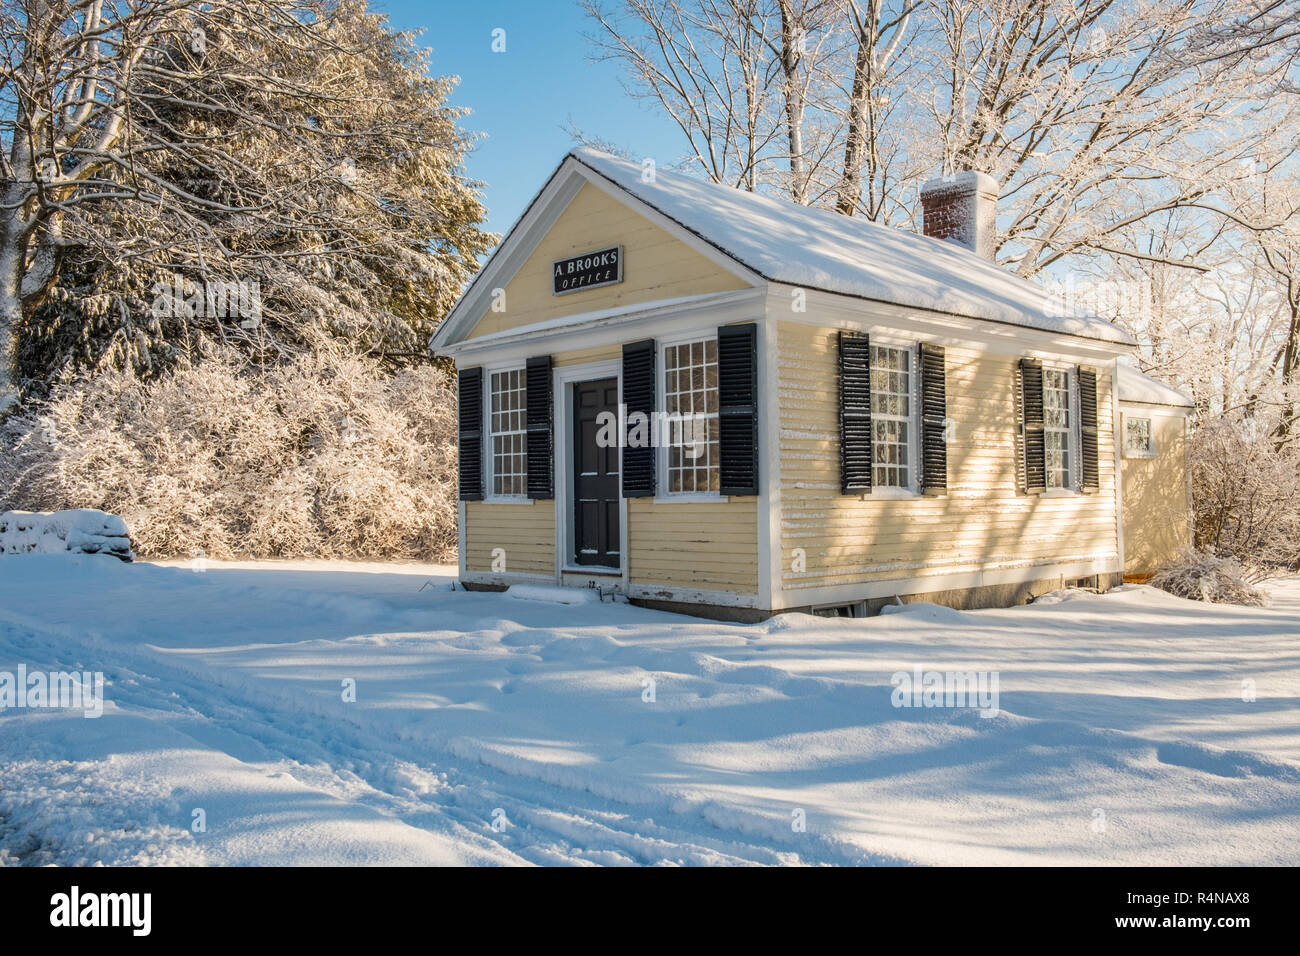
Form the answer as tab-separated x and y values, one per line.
12	256
791	55
1290	373
850	190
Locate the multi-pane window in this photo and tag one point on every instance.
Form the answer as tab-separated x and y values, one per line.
691	402
1137	437
891	417
509	433
1056	426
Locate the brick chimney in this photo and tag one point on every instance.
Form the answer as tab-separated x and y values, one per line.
962	208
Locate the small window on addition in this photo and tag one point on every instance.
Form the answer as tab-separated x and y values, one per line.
1139	442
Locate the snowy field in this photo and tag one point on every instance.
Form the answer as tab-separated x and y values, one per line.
492	730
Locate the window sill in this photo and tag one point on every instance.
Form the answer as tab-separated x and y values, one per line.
695	496
1148	455
1059	493
507	500
890	494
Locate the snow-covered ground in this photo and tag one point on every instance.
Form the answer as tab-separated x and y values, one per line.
489	729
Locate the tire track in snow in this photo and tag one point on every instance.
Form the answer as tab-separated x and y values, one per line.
456	794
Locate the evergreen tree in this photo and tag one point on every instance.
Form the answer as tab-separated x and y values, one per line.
257	174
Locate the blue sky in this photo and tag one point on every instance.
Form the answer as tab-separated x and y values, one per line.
525	97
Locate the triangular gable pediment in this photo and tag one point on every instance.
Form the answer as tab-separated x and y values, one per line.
576	213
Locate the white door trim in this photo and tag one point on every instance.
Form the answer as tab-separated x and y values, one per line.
562	378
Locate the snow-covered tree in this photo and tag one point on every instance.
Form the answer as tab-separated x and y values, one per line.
322	453
294	151
1246	493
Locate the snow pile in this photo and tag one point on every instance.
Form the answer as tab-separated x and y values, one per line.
81	531
1198	576
1063	596
556	595
926	611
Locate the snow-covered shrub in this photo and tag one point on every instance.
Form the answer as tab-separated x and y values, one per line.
1199	576
1246	494
321	455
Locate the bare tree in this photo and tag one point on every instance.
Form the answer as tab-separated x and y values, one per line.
877	32
1263	209
1263	26
803	31
1094	115
1089	116
708	64
752	84
1280	250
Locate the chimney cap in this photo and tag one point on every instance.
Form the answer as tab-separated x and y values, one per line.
966	180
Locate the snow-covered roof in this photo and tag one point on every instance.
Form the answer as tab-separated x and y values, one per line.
1135	386
820	249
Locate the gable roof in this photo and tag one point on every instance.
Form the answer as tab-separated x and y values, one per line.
1135	386
783	242
820	249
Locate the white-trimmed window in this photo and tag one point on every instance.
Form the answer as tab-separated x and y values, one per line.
690	380
1139	439
1058	426
893	429
508	434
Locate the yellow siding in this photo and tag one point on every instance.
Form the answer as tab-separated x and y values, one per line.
982	522
1156	506
602	353
526	532
656	266
704	545
708	546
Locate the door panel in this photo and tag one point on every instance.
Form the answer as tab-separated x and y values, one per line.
595	477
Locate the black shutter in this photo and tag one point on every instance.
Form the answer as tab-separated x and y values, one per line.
541	451
738	408
934	415
1031	424
855	413
1091	480
638	464
471	434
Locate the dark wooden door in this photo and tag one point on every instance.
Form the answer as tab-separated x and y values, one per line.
595	477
